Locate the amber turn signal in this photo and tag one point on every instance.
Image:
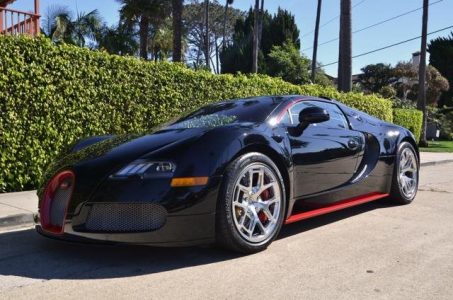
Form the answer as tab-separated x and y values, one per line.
188	181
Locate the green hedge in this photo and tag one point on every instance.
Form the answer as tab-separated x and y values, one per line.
51	96
410	118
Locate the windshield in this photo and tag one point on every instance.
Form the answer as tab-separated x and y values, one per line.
224	113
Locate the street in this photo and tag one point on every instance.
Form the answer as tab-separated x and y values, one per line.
375	250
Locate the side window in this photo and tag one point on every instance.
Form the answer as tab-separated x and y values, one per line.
337	118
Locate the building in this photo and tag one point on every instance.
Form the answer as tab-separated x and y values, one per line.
14	21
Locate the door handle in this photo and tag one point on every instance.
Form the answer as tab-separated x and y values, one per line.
352	144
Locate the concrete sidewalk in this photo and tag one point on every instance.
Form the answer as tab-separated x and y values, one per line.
16	209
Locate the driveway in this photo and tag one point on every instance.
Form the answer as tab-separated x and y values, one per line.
372	251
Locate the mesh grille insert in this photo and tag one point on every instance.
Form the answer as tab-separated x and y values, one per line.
125	217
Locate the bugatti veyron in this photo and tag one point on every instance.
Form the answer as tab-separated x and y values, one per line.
232	172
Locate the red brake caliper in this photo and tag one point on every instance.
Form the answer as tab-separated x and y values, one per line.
261	215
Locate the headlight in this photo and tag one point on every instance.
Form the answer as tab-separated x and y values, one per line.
143	168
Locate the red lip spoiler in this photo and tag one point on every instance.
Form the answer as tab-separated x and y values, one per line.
334	207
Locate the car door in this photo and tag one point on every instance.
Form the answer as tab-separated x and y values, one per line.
326	154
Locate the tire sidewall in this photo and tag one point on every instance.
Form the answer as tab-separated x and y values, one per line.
401	147
227	195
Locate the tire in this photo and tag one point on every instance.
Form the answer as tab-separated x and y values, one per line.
241	204
401	193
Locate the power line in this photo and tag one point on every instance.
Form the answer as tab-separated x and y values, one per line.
330	21
375	24
389	46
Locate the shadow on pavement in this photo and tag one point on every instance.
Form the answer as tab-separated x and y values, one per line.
27	254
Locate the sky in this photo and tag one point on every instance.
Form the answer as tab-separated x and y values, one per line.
365	13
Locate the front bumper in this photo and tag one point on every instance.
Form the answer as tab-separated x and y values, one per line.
182	217
177	231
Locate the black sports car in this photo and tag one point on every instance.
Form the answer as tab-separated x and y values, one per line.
232	172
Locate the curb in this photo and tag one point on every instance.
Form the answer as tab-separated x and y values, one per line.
16	220
436	162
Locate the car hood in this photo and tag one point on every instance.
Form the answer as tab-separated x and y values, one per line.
96	162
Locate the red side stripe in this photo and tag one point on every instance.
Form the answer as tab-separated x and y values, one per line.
335	206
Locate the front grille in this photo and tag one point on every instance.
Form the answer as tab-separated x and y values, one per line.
125	217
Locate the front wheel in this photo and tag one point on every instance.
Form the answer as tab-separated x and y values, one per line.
405	175
251	205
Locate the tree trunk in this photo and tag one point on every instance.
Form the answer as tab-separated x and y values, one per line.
177	6
345	51
225	15
216	55
206	36
421	103
260	24
255	37
143	32
315	43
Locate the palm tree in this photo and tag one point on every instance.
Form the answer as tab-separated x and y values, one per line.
144	13
227	2
177	7
206	34
118	40
255	38
64	28
345	53
421	103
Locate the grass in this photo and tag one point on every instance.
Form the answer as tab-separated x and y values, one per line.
439	146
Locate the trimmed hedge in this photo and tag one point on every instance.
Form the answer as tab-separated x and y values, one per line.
412	119
50	96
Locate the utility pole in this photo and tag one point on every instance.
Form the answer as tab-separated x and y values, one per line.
255	37
345	51
315	42
421	103
206	37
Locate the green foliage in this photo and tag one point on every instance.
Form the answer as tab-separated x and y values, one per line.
409	118
286	62
375	77
52	95
277	29
441	57
388	92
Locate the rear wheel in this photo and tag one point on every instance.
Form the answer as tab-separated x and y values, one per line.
405	175
251	204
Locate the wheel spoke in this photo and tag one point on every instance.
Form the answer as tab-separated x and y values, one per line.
256	218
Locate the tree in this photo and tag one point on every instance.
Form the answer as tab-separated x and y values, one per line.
144	13
225	17
286	62
256	34
63	27
376	76
345	49
118	40
193	17
406	75
276	30
421	103
177	7
441	57
161	41
435	84
207	56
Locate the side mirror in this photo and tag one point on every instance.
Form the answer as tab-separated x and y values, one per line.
312	115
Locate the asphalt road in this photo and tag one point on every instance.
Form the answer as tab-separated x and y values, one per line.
372	251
